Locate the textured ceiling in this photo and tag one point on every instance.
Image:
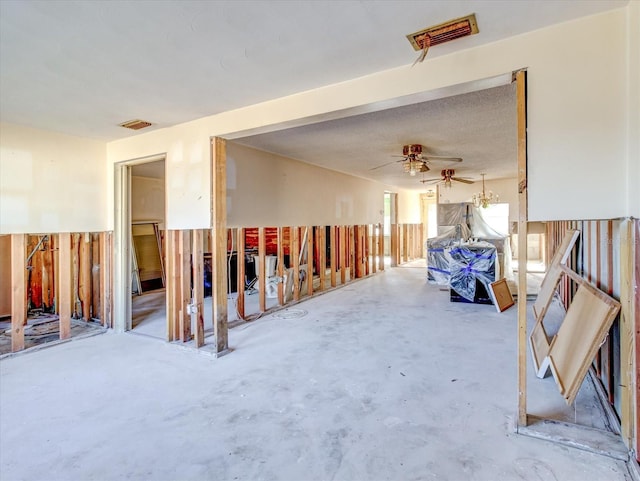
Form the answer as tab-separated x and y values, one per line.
82	67
479	126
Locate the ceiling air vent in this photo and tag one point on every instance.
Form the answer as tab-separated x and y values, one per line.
444	32
135	124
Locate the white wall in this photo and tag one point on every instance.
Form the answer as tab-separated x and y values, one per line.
51	182
147	200
578	119
264	189
409	207
506	189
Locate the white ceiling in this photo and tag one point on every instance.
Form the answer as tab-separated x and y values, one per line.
83	67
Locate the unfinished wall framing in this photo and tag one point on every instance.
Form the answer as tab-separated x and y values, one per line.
60	278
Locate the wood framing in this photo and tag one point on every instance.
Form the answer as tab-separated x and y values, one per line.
342	234
84	275
295	256
521	107
310	261
64	284
333	254
405	243
280	264
374	249
393	245
197	303
352	252
184	252
322	257
240	241
170	298
18	291
219	247
381	246
262	270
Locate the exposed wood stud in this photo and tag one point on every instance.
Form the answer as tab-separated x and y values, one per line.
352	252
219	248
262	277
374	248
280	263
521	107
170	289
310	261
333	254
95	276
84	276
64	275
322	256
295	256
381	246
394	245
184	248
198	285
342	239
240	249
405	243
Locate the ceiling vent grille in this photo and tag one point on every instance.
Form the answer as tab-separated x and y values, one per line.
135	124
445	32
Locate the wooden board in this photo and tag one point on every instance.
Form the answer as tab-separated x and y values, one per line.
197	302
583	330
219	247
552	277
501	295
539	347
64	279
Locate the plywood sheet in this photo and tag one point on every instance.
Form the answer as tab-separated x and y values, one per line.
551	279
539	346
583	330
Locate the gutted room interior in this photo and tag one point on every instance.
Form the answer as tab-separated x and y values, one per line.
293	234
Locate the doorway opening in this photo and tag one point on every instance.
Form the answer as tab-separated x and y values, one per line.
139	247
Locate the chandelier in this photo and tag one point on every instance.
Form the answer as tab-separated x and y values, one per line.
482	199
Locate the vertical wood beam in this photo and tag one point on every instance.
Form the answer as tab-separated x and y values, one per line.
104	274
352	252
219	248
374	248
184	248
75	258
381	246
18	291
342	236
48	274
333	254
84	275
170	300
359	252
197	239
64	279
310	261
405	243
394	245
322	256
177	284
521	106
262	270
628	333
295	256
95	276
240	241
280	263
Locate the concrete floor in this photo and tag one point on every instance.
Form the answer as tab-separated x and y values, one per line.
384	379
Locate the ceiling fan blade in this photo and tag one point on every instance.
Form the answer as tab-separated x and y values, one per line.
459	179
437	158
384	165
431	181
423	168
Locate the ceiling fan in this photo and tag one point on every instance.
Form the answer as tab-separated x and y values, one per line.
414	161
447	177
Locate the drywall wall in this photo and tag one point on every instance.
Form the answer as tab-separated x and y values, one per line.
409	207
147	200
578	115
51	182
264	189
505	189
